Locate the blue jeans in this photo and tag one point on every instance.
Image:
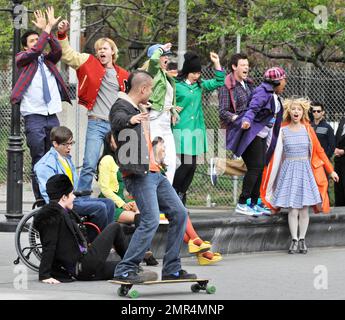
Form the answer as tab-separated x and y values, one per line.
37	132
153	194
101	211
96	131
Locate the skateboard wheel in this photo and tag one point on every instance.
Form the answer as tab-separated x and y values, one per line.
121	292
195	288
133	294
211	289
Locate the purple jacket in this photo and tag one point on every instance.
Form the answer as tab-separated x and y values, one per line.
260	111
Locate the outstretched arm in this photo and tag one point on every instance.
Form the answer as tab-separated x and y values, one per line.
219	75
69	56
56	52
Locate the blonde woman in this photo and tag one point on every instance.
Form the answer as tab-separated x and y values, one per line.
295	178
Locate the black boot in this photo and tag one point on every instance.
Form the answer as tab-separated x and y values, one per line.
302	247
150	259
293	247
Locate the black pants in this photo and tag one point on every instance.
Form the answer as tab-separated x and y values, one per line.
184	175
339	187
93	264
254	157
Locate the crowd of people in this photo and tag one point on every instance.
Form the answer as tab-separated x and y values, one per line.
150	124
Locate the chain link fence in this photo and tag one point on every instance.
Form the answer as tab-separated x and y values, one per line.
325	85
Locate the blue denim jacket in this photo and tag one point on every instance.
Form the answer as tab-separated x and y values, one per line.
50	165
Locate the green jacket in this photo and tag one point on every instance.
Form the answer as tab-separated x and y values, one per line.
190	132
160	78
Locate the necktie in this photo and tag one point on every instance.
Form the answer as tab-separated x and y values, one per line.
46	93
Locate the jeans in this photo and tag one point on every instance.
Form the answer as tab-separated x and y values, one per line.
154	194
37	132
101	211
96	131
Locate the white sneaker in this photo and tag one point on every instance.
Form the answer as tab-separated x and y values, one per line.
245	209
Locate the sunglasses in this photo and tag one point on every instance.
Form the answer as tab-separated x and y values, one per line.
317	111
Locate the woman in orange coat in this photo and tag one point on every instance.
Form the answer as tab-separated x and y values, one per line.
295	178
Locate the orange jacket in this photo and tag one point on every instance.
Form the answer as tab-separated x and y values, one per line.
319	163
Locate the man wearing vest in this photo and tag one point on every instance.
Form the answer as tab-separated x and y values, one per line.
58	160
39	89
100	81
233	100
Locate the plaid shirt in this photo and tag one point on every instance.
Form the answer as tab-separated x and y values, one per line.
233	99
27	64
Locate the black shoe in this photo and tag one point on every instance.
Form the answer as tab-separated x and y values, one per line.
293	247
150	260
130	277
180	275
302	247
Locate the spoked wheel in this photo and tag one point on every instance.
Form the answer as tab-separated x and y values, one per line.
27	242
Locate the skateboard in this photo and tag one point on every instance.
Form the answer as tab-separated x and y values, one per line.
125	287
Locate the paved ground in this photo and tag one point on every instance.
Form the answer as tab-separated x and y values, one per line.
275	275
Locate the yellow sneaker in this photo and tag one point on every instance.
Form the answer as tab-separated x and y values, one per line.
193	248
203	261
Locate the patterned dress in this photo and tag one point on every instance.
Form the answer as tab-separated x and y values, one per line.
296	186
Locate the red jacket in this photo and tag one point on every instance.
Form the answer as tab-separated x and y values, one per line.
90	73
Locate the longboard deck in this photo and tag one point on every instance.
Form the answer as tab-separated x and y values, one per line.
158	281
125	288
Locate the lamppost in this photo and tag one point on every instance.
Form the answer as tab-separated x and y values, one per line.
14	204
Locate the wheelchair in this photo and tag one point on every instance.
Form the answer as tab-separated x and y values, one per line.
27	238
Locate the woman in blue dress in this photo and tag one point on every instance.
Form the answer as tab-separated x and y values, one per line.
295	178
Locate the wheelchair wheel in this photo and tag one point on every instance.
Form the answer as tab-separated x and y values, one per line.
27	242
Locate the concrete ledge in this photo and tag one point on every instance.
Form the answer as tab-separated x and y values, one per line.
233	233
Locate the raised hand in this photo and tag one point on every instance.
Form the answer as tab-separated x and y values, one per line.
40	21
63	26
52	21
215	59
167	46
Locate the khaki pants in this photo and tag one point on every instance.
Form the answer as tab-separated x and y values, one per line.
230	167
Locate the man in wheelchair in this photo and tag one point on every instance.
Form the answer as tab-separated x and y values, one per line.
66	254
58	161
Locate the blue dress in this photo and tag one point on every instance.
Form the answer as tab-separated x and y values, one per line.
296	186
